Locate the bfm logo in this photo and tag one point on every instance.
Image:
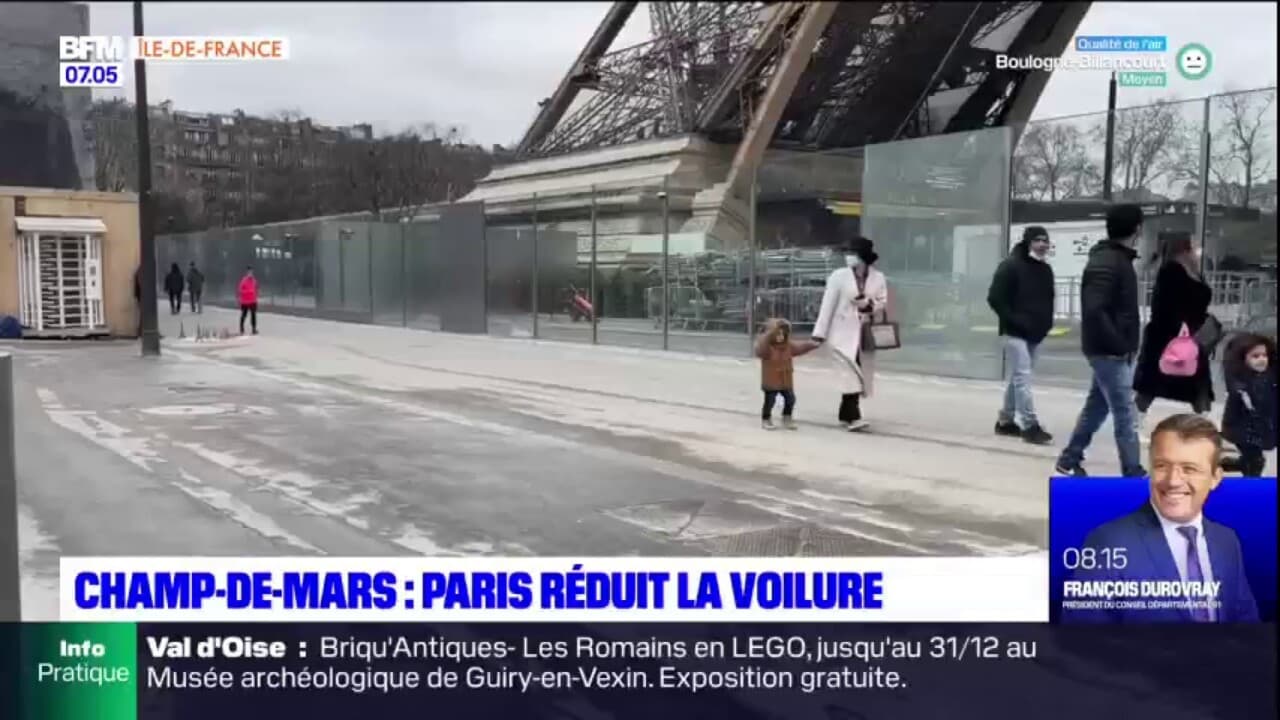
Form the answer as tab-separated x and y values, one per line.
99	48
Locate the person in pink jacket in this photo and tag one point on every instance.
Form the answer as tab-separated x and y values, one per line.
248	293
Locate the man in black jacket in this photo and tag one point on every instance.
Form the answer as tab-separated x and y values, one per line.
1021	295
195	288
1110	328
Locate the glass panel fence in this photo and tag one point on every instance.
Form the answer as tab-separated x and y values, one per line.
937	210
387	273
669	262
630	225
806	205
425	268
509	271
1240	226
563	257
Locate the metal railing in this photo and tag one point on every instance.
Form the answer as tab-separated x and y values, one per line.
1238	298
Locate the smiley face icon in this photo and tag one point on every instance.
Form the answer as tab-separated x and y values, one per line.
1194	61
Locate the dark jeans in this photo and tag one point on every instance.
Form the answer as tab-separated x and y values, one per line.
175	303
771	399
850	408
1252	461
1111	393
249	311
196	304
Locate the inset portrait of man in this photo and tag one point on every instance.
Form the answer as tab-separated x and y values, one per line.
1169	538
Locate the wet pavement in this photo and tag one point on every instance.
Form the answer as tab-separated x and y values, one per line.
322	438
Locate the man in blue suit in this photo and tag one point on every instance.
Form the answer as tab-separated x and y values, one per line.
1168	538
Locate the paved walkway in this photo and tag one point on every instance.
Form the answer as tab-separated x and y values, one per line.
327	438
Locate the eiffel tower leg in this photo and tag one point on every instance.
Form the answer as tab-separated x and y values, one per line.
781	85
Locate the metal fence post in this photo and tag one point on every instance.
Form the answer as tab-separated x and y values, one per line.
317	278
344	236
10	565
751	261
535	265
595	302
484	269
293	268
1202	203
666	267
404	274
368	253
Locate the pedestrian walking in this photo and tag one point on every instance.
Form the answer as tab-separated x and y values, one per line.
1022	296
1249	419
1110	329
777	351
1179	304
248	295
137	296
195	288
853	296
173	284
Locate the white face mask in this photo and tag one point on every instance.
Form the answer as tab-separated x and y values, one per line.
852	261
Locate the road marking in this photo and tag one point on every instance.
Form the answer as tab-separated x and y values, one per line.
103	433
736	487
239	512
48	398
295	486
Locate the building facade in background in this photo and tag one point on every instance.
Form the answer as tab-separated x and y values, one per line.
216	170
45	139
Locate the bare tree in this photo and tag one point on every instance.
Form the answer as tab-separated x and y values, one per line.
115	145
283	168
1150	144
1054	162
1241	155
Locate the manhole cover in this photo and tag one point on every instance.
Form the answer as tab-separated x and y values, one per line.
800	541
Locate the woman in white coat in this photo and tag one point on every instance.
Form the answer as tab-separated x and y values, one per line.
854	294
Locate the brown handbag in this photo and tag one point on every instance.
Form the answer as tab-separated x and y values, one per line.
879	334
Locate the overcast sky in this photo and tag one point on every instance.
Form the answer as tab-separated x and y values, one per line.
484	66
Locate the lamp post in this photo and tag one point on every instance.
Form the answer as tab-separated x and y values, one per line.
146	226
1108	153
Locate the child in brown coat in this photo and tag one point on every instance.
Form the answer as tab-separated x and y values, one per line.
776	349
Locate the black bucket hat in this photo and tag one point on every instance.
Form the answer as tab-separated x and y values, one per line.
863	248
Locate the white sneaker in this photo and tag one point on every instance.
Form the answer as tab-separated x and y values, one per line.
858	425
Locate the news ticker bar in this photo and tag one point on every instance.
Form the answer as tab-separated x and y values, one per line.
122	671
495	589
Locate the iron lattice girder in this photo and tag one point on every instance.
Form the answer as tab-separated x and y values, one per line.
869	80
665	79
884	97
987	105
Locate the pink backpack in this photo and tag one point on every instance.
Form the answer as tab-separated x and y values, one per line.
1181	355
